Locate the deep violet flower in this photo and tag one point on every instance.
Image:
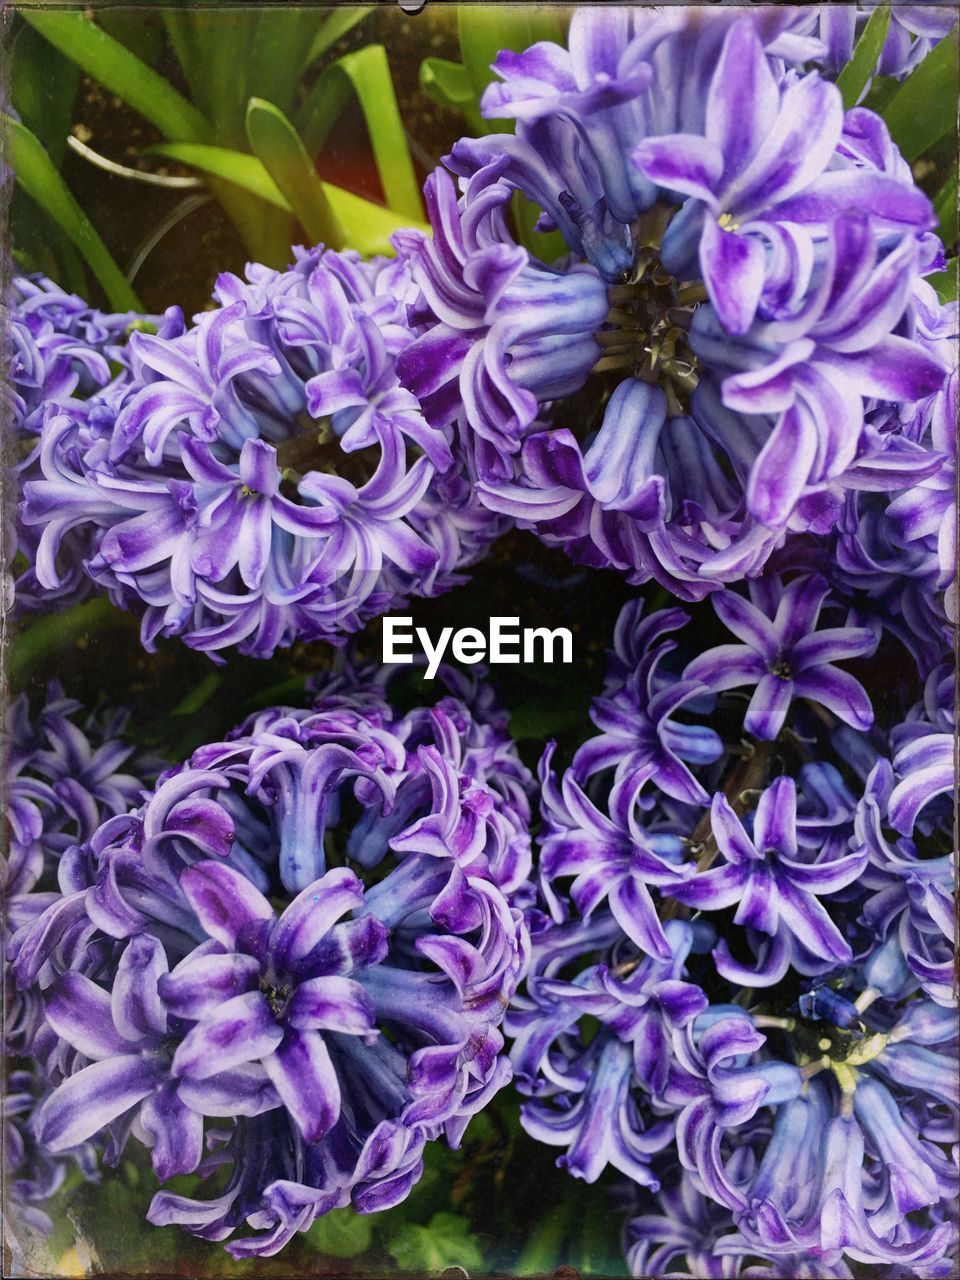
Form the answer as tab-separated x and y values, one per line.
762	251
776	889
261	477
228	975
786	657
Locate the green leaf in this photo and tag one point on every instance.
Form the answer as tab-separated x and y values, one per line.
367	72
446	1241
120	71
43	86
238	167
40	179
343	19
541	1253
945	207
945	282
222	43
854	77
449	84
277	144
924	108
342	1233
368	227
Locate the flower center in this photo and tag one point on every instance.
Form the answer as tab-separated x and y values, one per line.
650	317
277	997
781	669
316	447
726	223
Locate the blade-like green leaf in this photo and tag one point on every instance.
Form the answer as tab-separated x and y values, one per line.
343	19
238	167
58	632
924	108
40	179
367	227
118	70
367	72
222	43
43	85
276	142
853	79
449	84
945	207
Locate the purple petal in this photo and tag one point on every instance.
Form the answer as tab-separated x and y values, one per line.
138	1011
839	692
245	1091
808	921
225	902
768	707
313	912
796	150
742	100
733	271
783	467
87	1101
726	666
199	984
241	1030
748	623
681	162
176	1131
775	822
331	1004
79	1012
306	1081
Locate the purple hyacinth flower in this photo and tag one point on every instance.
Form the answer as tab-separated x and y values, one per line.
759	180
776	886
638	735
611	857
262	476
715	1086
785	657
509	331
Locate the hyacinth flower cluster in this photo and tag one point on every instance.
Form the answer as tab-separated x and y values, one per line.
65	773
769	358
741	991
285	969
258	477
